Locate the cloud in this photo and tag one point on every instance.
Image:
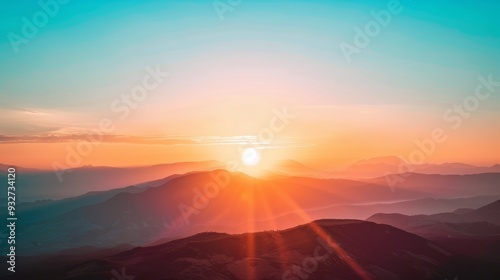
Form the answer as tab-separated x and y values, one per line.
20	121
8	139
145	140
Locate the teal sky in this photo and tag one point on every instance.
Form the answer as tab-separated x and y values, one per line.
90	52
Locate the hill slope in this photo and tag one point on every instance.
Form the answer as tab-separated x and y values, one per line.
325	249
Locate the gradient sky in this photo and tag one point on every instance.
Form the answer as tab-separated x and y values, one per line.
226	77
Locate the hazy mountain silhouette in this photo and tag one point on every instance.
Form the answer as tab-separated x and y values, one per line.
40	185
346	249
245	204
295	168
435	185
41	210
489	213
411	207
474	233
381	166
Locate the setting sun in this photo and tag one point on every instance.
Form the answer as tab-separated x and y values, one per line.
250	157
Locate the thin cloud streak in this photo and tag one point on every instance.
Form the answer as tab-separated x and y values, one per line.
209	140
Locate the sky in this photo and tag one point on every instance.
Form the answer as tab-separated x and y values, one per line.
197	80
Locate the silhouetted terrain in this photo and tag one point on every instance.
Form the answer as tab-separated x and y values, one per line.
474	233
381	166
181	206
45	184
91	236
345	249
488	214
41	210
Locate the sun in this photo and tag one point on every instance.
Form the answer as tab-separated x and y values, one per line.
250	157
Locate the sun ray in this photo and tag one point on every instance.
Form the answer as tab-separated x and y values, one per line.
277	237
322	233
251	269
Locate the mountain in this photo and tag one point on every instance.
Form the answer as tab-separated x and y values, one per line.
410	207
324	249
4	169
180	207
217	200
370	168
42	185
434	185
31	212
474	233
387	160
381	166
488	214
295	168
41	266
455	168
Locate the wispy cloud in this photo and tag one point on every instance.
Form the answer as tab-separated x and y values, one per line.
6	139
243	140
33	121
147	140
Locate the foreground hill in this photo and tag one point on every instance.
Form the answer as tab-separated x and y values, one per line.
325	249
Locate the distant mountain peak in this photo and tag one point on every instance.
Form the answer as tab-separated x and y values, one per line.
290	163
389	160
492	207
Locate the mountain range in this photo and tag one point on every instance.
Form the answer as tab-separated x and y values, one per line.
323	249
197	221
183	205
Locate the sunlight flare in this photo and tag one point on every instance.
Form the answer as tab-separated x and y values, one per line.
250	157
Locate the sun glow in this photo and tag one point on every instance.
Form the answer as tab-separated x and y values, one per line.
250	157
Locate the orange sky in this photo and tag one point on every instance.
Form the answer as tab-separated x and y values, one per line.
321	136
